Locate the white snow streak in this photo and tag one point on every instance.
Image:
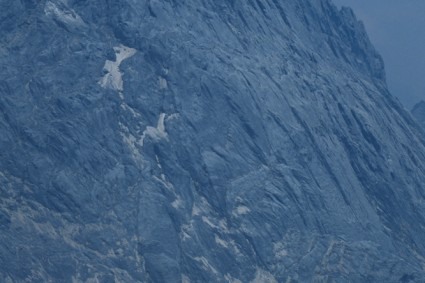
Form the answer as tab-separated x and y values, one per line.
113	78
262	276
230	279
155	133
241	210
162	83
221	242
172	116
205	264
131	142
185	279
177	203
62	14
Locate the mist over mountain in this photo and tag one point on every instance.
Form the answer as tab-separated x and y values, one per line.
396	28
203	141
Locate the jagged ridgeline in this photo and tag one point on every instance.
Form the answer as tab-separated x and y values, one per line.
418	112
202	141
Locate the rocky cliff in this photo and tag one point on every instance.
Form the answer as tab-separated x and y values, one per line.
418	112
202	141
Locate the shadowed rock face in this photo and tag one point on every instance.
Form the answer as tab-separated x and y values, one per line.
418	112
202	141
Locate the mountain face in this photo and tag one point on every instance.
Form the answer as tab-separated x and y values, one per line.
418	112
202	141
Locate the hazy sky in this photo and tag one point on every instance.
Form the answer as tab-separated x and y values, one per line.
397	29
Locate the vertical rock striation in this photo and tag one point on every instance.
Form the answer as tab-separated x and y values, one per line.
202	141
418	112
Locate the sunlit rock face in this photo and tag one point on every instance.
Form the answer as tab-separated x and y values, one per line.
202	141
418	112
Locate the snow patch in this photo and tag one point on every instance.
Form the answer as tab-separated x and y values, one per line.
202	207
124	106
262	276
113	78
230	279
185	231
131	142
177	203
155	133
223	225
229	245
196	210
205	264
163	178
161	127
158	163
162	83
279	250
185	279
207	221
241	210
164	182
221	242
172	117
62	14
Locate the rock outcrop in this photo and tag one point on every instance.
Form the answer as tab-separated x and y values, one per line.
418	112
202	141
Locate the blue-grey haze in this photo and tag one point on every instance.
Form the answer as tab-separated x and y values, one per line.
397	29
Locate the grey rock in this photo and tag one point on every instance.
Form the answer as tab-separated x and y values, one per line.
418	112
250	141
